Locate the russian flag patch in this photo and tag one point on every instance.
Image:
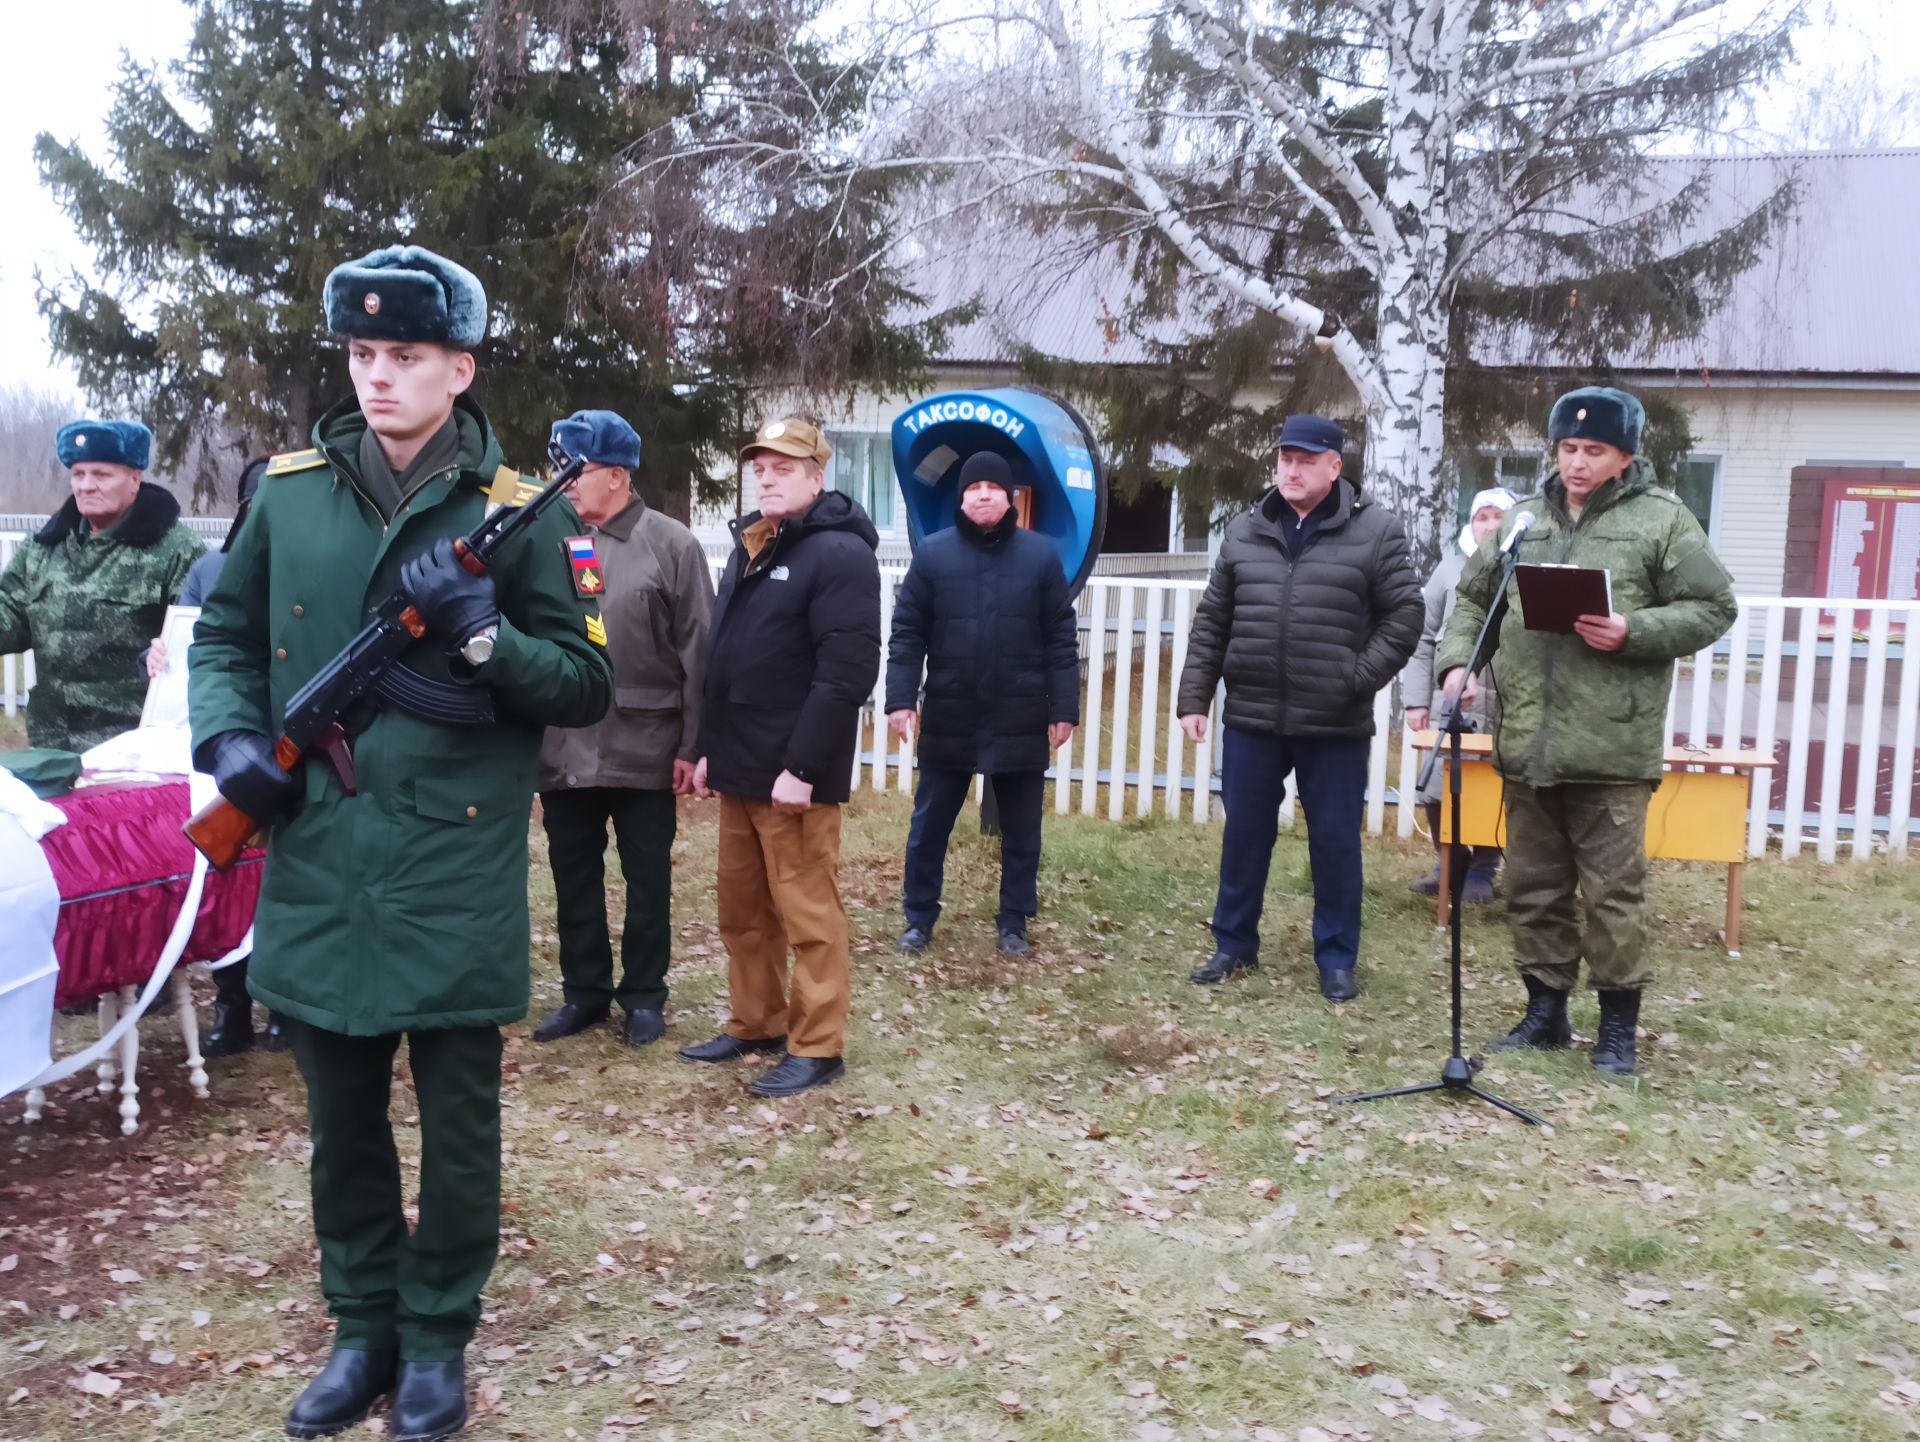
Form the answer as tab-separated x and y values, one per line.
589	576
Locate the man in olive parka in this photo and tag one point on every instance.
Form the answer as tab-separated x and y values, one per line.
400	910
1581	738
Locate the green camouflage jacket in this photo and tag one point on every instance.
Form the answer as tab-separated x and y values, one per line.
87	605
1567	711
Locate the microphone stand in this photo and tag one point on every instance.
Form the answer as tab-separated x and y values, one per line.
1457	1074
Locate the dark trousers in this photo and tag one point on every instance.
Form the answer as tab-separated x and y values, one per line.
230	984
644	823
386	1288
1330	773
936	803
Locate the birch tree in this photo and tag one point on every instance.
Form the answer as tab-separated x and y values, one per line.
1391	183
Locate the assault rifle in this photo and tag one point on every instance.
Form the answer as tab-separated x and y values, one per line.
316	717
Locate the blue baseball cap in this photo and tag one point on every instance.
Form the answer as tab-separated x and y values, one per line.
1311	433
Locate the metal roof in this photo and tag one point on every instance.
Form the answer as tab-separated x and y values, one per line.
1837	293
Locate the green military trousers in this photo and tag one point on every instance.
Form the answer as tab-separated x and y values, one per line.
1584	841
644	824
386	1288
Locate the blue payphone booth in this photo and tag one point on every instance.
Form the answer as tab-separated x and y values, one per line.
1046	443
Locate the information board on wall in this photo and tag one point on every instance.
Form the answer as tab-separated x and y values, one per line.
1870	541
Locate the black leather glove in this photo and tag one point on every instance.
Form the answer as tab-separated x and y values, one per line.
242	766
455	604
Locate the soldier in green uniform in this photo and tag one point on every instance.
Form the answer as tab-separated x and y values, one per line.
398	910
93	585
1582	731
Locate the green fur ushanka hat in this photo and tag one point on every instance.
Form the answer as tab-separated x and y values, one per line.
1598	413
118	443
406	292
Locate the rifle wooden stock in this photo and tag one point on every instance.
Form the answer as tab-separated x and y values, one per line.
221	831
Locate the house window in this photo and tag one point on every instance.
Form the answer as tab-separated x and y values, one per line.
862	467
1518	471
1696	481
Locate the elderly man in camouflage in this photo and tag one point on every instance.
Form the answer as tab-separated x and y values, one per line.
1583	716
93	585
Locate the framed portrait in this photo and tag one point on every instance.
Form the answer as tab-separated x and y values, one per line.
166	703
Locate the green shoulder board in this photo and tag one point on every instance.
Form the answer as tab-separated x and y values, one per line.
291	461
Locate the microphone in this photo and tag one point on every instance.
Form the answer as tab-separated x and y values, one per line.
1522	523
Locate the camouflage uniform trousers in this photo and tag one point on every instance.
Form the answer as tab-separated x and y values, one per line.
1588	838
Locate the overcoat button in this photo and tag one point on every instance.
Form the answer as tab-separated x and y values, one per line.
281	654
299	611
473	811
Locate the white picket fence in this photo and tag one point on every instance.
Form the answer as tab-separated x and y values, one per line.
1823	686
1839	728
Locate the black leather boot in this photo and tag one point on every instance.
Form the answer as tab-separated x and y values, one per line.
727	1047
644	1026
1545	1026
342	1394
429	1401
232	1030
797	1074
1219	967
569	1020
1613	1052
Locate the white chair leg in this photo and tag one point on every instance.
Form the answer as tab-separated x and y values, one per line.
190	1031
36	1103
129	1064
109	1014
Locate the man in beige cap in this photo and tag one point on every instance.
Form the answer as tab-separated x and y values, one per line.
794	654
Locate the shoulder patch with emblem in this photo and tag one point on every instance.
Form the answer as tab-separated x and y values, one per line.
288	462
589	576
597	630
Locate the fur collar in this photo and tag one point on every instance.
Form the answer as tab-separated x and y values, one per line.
153	514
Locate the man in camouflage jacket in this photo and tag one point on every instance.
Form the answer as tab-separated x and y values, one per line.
91	587
1581	737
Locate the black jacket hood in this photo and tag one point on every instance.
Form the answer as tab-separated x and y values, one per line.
154	512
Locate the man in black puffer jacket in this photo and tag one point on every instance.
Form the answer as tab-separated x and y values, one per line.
985	606
1312	607
793	651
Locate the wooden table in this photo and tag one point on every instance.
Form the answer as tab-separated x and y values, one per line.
1698	813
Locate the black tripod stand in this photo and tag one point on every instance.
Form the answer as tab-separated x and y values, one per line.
1457	1074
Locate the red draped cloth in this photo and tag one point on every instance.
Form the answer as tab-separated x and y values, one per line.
122	865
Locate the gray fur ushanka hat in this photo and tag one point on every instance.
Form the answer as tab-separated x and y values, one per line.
407	293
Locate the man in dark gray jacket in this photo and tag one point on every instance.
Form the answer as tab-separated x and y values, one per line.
1312	607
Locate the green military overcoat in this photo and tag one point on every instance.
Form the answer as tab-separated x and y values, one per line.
1570	713
403	907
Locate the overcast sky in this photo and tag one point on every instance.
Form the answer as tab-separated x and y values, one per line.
67	56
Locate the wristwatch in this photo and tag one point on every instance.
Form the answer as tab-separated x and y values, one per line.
479	646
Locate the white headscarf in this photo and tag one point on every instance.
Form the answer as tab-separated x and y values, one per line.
1492	496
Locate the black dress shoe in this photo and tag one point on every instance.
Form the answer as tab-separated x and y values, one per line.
429	1401
232	1029
1013	943
342	1394
915	939
644	1026
1220	968
570	1020
1339	986
798	1073
726	1048
277	1038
